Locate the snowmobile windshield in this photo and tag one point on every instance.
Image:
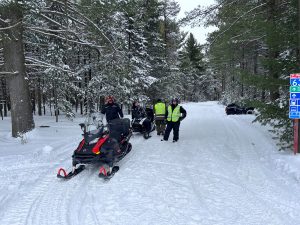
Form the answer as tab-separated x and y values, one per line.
93	134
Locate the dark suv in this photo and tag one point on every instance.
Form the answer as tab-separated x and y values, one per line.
236	109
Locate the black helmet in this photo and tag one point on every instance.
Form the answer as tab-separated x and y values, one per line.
175	99
158	100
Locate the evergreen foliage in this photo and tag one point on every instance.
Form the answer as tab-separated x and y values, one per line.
252	53
77	52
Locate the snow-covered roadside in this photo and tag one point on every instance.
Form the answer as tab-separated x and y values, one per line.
283	161
224	170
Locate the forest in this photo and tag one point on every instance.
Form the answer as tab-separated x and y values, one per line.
65	56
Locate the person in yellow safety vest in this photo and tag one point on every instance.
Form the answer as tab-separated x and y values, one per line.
175	114
160	110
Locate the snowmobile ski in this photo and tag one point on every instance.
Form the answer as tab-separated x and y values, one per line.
70	174
105	175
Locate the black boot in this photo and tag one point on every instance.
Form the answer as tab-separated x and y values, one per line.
146	135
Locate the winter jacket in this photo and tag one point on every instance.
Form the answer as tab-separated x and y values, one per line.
112	111
150	114
138	112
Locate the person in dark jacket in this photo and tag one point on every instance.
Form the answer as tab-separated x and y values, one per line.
111	109
149	113
175	113
138	113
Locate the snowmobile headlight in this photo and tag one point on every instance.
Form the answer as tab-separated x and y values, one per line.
93	141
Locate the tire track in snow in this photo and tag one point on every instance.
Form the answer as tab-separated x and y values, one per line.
45	194
251	172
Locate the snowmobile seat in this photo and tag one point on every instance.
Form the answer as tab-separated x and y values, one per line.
119	128
137	125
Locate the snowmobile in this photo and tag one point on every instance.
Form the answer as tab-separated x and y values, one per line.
137	126
106	145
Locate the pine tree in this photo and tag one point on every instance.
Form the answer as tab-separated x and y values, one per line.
192	66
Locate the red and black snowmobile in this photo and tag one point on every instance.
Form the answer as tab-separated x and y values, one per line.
107	145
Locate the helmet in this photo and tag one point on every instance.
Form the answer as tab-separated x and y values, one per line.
109	98
175	100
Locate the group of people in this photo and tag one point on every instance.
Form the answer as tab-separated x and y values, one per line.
166	118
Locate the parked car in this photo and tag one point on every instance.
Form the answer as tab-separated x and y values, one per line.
233	108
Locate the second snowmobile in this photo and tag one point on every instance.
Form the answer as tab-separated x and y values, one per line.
137	126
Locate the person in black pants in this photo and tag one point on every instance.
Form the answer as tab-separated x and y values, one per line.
112	111
175	114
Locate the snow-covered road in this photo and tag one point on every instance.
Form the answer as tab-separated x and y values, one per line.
220	172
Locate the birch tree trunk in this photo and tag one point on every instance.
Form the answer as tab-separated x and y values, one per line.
14	64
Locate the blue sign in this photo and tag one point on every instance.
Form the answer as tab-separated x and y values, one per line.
294	115
295	95
295	82
294	102
294	108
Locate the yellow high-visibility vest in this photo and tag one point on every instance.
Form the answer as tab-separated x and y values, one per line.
175	115
159	109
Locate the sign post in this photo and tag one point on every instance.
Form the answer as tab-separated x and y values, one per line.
294	109
296	136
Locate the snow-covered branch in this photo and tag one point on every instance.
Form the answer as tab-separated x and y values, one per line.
3	21
90	21
37	63
80	42
196	15
44	64
63	14
10	27
231	25
252	40
5	73
51	20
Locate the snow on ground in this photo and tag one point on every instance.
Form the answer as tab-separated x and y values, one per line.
224	170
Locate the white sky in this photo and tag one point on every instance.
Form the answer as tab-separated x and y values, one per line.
188	5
